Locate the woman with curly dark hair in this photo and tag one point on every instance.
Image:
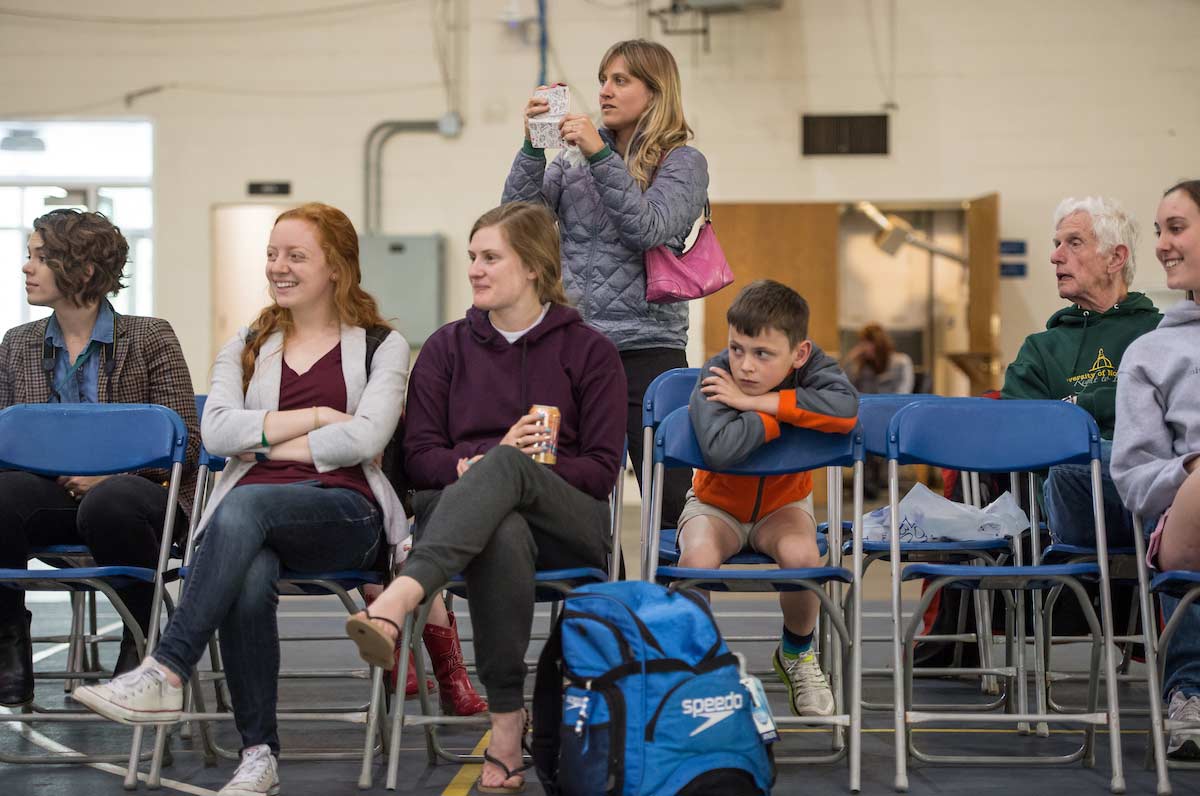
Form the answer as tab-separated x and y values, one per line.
85	352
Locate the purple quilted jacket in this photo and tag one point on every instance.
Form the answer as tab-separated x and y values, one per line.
607	223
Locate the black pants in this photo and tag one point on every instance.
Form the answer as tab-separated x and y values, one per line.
120	520
641	367
505	518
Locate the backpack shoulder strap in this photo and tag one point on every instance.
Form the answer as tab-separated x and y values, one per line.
375	337
548	710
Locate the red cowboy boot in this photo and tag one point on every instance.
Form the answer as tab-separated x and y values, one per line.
455	691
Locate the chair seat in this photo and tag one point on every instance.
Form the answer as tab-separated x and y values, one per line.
299	583
1063	553
976	546
753	579
67	579
997	577
543	590
668	549
847	527
1175	582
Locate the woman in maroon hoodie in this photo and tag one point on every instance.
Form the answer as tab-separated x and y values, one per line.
485	508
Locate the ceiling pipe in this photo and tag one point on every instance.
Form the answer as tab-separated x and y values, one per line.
449	125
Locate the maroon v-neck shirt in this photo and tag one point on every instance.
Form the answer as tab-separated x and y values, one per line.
321	385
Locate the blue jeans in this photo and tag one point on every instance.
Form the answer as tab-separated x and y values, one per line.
1068	500
257	530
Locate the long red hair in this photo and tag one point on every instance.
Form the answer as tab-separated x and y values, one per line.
353	305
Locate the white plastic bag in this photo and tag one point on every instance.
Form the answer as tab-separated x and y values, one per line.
928	517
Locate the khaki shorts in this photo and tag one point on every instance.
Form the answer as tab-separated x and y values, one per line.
694	507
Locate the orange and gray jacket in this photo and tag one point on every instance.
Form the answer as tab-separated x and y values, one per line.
817	395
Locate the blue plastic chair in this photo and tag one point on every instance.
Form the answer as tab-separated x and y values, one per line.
875	413
95	439
999	436
669	391
795	450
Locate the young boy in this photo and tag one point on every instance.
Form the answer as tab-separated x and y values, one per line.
770	374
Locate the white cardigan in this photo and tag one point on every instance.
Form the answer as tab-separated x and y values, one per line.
233	423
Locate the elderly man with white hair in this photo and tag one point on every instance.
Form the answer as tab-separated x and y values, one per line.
1077	357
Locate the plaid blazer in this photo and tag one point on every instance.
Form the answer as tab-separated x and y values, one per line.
149	369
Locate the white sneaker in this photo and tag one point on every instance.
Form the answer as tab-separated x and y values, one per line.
258	774
1184	744
140	696
808	690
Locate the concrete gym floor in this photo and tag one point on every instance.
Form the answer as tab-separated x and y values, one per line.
740	614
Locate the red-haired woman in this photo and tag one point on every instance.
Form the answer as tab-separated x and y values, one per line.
293	405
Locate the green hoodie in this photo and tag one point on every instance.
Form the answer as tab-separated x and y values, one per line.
1078	356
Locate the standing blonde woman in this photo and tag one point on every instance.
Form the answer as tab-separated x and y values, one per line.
642	186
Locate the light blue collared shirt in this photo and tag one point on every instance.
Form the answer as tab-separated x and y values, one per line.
84	385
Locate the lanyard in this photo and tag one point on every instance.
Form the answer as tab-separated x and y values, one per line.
80	360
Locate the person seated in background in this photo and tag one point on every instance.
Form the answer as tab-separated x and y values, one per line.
86	352
1078	357
485	508
293	404
771	373
1156	446
875	367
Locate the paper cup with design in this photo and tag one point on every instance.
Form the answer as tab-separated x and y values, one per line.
543	129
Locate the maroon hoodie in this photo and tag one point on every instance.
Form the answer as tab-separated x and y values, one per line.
469	385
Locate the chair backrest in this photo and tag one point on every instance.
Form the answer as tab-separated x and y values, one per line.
669	391
875	412
795	449
215	464
90	439
983	435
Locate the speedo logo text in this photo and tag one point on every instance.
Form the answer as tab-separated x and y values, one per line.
711	709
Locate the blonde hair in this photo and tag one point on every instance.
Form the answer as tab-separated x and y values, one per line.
354	306
531	231
662	126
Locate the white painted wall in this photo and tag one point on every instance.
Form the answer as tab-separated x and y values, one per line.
1035	100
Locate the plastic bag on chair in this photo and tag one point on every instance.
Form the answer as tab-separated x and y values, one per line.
928	517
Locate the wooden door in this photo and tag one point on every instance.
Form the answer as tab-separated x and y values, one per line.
796	244
982	365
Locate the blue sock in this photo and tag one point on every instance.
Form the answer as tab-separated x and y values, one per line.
793	645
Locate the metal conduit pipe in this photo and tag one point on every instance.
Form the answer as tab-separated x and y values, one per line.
448	126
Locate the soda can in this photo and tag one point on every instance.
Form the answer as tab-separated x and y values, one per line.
551	419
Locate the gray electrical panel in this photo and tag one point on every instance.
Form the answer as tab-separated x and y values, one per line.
405	275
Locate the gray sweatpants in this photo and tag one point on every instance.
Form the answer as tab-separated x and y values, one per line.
505	518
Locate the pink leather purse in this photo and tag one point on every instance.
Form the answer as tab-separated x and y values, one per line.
700	271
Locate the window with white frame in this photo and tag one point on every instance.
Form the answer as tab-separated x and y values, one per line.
98	165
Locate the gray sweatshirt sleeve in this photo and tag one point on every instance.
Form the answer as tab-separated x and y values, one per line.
375	418
726	436
1145	467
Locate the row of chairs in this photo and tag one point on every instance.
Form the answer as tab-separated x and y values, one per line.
972	435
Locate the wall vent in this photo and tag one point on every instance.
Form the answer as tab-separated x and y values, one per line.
844	134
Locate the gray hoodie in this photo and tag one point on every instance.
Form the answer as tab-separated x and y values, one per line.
1158	412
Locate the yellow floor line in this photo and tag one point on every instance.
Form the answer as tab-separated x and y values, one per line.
466	776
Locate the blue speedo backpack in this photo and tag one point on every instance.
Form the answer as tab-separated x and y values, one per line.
637	695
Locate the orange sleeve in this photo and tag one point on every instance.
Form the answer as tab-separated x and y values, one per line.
770	425
791	414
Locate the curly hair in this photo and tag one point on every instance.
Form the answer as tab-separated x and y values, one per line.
86	253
